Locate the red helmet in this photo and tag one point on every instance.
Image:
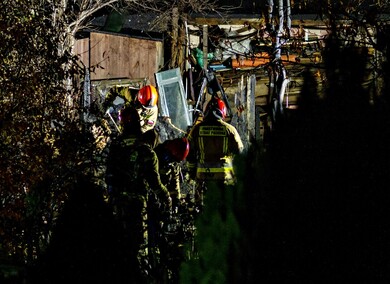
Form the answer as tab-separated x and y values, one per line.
148	96
217	106
178	148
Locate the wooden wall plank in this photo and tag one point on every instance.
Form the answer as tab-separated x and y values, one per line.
144	50
151	62
81	49
100	55
130	55
120	56
134	58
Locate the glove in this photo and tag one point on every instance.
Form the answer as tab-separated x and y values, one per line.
169	203
165	199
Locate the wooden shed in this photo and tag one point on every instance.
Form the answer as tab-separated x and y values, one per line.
119	56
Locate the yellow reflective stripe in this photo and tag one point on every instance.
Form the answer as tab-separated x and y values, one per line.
201	149
221	164
225	144
212	130
214	170
191	165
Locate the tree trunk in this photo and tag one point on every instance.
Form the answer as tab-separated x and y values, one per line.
175	38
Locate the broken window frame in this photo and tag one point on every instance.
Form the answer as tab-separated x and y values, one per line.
179	117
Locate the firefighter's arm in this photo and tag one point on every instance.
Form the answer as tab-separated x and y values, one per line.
191	160
239	143
154	181
238	146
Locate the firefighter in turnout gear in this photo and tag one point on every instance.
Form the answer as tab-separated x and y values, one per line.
135	175
132	175
146	104
125	195
213	144
119	167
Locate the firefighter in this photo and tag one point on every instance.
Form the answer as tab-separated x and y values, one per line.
146	104
118	170
213	144
132	175
125	197
170	154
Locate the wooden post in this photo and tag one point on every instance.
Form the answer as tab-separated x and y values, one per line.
251	107
205	46
174	45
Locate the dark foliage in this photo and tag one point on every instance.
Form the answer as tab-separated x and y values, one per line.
318	211
42	139
88	245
